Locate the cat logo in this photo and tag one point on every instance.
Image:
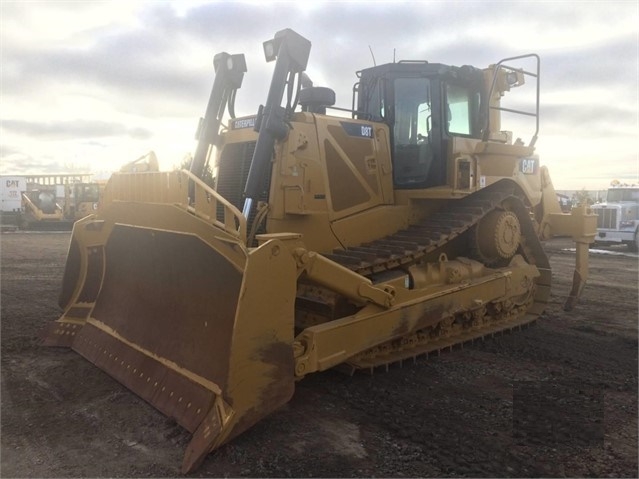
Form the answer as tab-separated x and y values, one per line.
529	166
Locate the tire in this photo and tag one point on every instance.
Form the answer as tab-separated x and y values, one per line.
634	245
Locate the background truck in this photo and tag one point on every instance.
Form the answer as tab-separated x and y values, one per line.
618	217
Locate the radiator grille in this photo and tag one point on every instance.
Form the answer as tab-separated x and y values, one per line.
607	218
232	171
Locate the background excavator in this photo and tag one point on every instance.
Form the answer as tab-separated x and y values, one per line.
404	225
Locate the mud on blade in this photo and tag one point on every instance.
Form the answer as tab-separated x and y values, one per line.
166	320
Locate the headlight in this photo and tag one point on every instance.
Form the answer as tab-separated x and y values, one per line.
626	224
269	51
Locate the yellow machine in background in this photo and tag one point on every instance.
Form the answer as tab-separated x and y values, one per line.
56	201
81	199
409	226
41	209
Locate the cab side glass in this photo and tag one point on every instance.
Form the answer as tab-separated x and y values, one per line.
458	110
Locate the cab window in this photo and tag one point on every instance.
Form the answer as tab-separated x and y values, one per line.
412	110
459	110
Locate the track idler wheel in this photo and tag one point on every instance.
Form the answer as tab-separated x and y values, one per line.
497	236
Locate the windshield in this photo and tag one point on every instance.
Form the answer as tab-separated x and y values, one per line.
412	110
412	151
622	194
89	193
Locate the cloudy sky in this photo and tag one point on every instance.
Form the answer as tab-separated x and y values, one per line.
91	85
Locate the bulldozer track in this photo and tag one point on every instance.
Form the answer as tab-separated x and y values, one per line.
426	240
434	346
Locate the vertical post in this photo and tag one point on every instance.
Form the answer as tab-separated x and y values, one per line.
229	72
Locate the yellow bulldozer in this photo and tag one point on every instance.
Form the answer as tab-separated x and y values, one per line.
81	199
356	238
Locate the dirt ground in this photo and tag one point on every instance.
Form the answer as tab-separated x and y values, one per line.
558	399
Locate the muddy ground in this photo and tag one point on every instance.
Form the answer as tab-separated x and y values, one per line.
554	400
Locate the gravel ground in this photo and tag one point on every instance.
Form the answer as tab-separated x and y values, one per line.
558	399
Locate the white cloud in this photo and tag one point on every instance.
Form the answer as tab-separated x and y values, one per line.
147	67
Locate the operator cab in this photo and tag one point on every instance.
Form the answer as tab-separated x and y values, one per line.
424	105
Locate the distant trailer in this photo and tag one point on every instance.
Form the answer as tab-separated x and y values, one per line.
11	211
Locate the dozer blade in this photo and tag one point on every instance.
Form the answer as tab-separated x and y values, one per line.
187	318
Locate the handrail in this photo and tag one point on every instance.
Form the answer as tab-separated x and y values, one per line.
500	65
173	188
